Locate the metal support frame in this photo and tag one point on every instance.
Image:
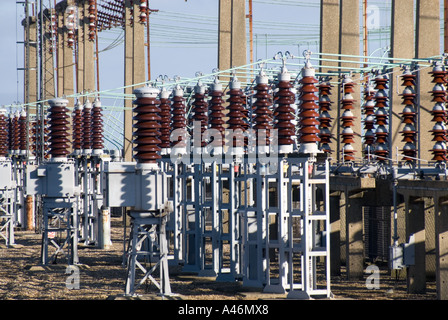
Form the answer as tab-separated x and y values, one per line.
148	244
60	230
7	202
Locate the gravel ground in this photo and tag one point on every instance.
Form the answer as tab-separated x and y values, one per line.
102	276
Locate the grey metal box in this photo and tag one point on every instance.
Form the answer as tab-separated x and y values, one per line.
5	175
120	184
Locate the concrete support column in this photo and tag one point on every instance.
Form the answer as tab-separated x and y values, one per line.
68	87
128	66
354	242
335	234
49	89
60	53
415	224
80	48
30	63
329	43
441	238
427	45
88	81
134	68
402	46
349	44
232	46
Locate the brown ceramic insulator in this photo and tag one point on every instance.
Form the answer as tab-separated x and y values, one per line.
263	112
147	125
77	125
143	11
92	20
308	115
178	118
216	116
3	134
33	137
236	114
245	112
58	128
439	112
347	119
284	113
23	138
408	115
200	111
382	117
16	133
97	126
165	115
11	132
325	119
87	126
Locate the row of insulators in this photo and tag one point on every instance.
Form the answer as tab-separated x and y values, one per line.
155	116
439	113
113	15
13	134
88	130
408	116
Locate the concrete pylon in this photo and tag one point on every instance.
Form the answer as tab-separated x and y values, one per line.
88	54
402	46
30	72
232	43
329	43
349	44
427	45
134	68
49	90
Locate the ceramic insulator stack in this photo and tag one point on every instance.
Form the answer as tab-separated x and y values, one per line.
147	125
97	127
439	112
263	112
216	117
236	115
408	116
77	128
369	120
308	111
284	112
381	116
347	118
324	115
23	137
179	120
200	113
92	20
165	115
3	134
87	127
58	128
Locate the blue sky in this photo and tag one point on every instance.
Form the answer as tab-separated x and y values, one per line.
170	55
